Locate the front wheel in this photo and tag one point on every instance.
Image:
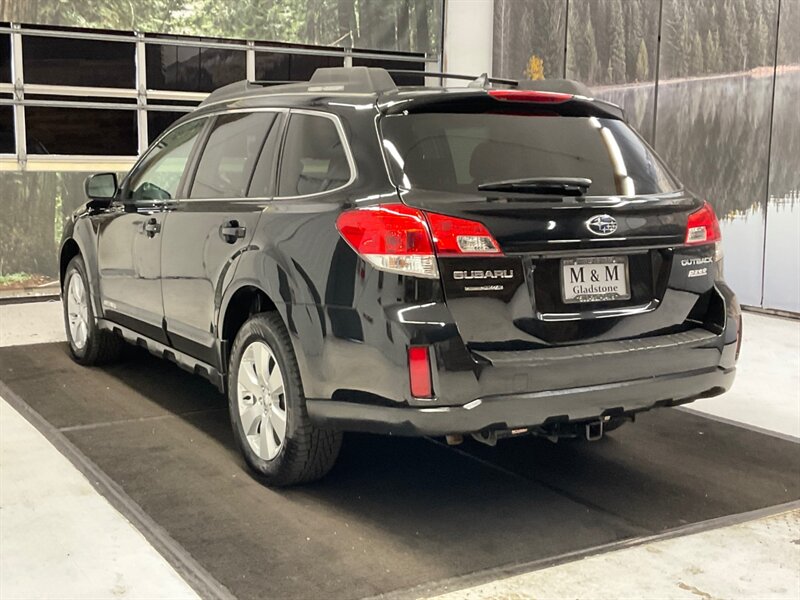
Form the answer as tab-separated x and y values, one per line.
88	344
268	408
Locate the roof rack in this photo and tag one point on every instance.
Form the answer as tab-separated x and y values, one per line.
377	81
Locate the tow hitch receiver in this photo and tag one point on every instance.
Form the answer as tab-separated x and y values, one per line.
594	431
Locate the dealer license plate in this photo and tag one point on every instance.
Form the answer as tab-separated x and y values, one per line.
596	279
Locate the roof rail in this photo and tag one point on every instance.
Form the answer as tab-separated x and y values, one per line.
461	76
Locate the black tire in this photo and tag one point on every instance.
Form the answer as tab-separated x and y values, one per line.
99	347
307	453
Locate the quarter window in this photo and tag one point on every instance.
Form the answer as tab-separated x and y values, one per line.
314	159
229	155
159	174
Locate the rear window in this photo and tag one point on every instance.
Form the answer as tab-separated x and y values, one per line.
456	152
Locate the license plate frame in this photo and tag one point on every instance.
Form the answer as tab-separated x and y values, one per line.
601	263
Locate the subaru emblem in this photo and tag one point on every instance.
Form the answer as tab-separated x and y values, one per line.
602	224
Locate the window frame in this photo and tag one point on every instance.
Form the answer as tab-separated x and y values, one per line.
202	135
337	121
194	159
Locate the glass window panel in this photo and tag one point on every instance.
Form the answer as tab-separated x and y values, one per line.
7	144
313	158
54	61
192	69
92	131
394	64
158	121
612	46
229	155
276	66
158	175
529	39
5	57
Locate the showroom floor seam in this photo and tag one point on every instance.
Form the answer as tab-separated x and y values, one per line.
87	426
555	489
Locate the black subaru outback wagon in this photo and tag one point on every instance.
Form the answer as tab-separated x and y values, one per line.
346	255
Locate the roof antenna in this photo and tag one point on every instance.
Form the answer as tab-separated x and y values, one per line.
481	82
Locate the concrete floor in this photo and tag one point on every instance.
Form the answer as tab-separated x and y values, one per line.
93	551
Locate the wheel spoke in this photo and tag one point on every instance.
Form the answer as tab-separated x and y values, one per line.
251	417
249	386
278	421
268	446
275	380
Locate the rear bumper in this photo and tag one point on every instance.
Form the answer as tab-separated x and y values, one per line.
525	409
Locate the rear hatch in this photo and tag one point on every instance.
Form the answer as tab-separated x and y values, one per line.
587	218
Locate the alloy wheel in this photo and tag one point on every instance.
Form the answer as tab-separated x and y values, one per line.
77	311
261	400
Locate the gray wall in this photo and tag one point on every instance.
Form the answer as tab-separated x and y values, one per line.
711	97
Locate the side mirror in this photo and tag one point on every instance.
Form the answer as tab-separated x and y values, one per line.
101	186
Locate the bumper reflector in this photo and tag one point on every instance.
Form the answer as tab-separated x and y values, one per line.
419	370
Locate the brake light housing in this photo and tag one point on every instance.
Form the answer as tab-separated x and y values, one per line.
406	240
702	227
530	96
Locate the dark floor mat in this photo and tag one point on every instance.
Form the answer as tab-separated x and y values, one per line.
394	513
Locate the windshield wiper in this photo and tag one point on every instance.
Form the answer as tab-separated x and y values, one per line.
556	186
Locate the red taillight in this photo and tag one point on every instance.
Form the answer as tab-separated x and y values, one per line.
703	227
419	371
460	236
401	239
530	96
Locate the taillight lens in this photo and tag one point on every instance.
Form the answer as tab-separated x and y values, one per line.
530	96
703	227
401	239
452	236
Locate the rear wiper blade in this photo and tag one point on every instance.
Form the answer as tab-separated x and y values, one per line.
560	186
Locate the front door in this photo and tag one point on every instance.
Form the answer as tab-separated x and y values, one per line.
130	235
205	233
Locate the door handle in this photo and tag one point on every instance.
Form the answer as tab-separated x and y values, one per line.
151	227
232	231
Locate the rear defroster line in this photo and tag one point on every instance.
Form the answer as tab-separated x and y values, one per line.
198	578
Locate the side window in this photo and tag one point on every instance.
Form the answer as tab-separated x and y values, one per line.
232	149
313	159
158	176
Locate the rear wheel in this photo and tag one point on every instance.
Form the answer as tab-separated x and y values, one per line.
88	344
268	408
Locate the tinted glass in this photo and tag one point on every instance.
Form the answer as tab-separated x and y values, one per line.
5	57
313	159
80	131
275	66
55	61
7	144
158	121
262	183
457	152
159	174
230	153
191	69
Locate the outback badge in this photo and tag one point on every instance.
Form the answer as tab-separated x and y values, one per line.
602	224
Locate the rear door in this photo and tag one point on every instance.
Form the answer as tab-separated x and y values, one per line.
207	231
578	265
